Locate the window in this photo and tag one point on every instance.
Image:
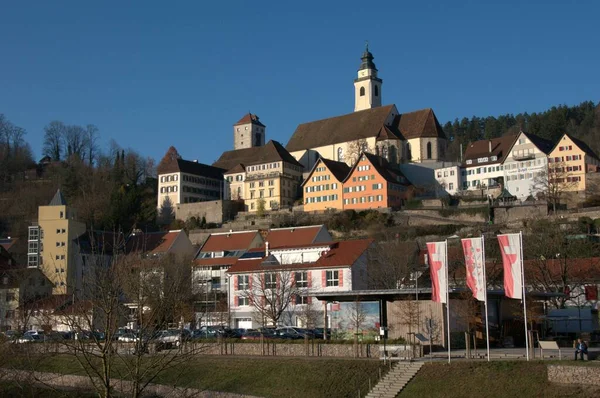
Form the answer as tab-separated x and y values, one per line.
332	278
362	91
301	299
243	301
61	215
451	186
522	141
451	172
340	154
10	297
301	279
270	281
429	150
376	90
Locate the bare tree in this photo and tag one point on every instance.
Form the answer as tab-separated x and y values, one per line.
553	184
358	316
54	140
91	144
271	294
393	264
355	148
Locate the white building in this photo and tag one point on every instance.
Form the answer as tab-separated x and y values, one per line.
449	178
526	165
482	166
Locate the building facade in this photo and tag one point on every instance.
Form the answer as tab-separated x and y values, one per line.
450	179
569	162
323	188
248	132
185	181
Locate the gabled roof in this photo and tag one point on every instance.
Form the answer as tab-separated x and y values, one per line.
249	118
280	237
340	254
186	166
273	151
542	144
419	124
350	127
236	169
58	199
339	170
383	168
100	242
16	276
582	145
229	241
481	149
7	243
152	242
386	133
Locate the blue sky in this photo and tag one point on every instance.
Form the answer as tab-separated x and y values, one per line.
153	74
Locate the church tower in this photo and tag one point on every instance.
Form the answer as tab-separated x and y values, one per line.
248	132
367	87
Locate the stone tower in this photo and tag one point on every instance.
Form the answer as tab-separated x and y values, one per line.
248	132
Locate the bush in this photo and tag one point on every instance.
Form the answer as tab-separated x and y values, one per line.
413	204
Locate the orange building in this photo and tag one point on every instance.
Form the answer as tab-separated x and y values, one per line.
322	189
373	182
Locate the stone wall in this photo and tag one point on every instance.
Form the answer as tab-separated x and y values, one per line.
504	215
216	211
574	374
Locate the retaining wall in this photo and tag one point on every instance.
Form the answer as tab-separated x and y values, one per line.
589	375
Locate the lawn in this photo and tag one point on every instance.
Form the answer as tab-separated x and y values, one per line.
494	379
259	376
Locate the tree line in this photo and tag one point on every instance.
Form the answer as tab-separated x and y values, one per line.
113	188
581	121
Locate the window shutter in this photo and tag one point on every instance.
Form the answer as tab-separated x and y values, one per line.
323	278
235	283
309	279
236	301
294	299
309	300
250	281
278	281
341	278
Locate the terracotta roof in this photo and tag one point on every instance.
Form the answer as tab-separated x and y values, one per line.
480	149
280	237
189	167
384	169
249	118
229	241
7	243
386	133
339	170
353	126
582	145
152	242
341	254
419	124
273	151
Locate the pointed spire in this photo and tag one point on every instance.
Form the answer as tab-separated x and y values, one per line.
58	199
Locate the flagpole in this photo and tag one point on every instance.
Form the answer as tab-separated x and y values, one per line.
485	303
524	298
447	301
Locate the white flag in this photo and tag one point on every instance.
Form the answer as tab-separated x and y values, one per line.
475	262
510	247
438	264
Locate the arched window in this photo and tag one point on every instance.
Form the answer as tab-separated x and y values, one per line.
408	152
384	152
393	155
257	139
376	90
340	155
362	91
429	150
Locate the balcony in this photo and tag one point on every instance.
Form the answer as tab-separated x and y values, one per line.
527	156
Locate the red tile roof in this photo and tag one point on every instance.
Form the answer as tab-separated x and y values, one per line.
292	236
249	118
500	148
341	254
152	242
229	241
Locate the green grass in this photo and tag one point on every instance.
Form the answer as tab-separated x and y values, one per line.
495	379
260	376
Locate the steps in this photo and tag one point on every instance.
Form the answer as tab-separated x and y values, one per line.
396	379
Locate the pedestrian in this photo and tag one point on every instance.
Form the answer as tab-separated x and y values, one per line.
581	348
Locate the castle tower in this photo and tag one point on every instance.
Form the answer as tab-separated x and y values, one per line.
367	86
248	132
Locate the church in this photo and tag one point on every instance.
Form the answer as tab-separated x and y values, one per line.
400	138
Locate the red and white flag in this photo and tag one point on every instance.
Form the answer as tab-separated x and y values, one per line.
510	247
438	268
474	261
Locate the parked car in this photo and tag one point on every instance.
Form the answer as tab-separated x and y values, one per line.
173	337
207	332
319	332
128	338
10	334
256	335
289	332
30	338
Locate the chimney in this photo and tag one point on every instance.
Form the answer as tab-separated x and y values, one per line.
490	145
266	249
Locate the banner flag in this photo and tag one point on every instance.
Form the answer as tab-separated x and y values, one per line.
510	247
437	267
475	261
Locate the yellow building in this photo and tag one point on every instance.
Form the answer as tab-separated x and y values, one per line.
569	162
269	175
322	189
52	246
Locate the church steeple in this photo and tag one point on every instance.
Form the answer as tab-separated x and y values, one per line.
367	86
